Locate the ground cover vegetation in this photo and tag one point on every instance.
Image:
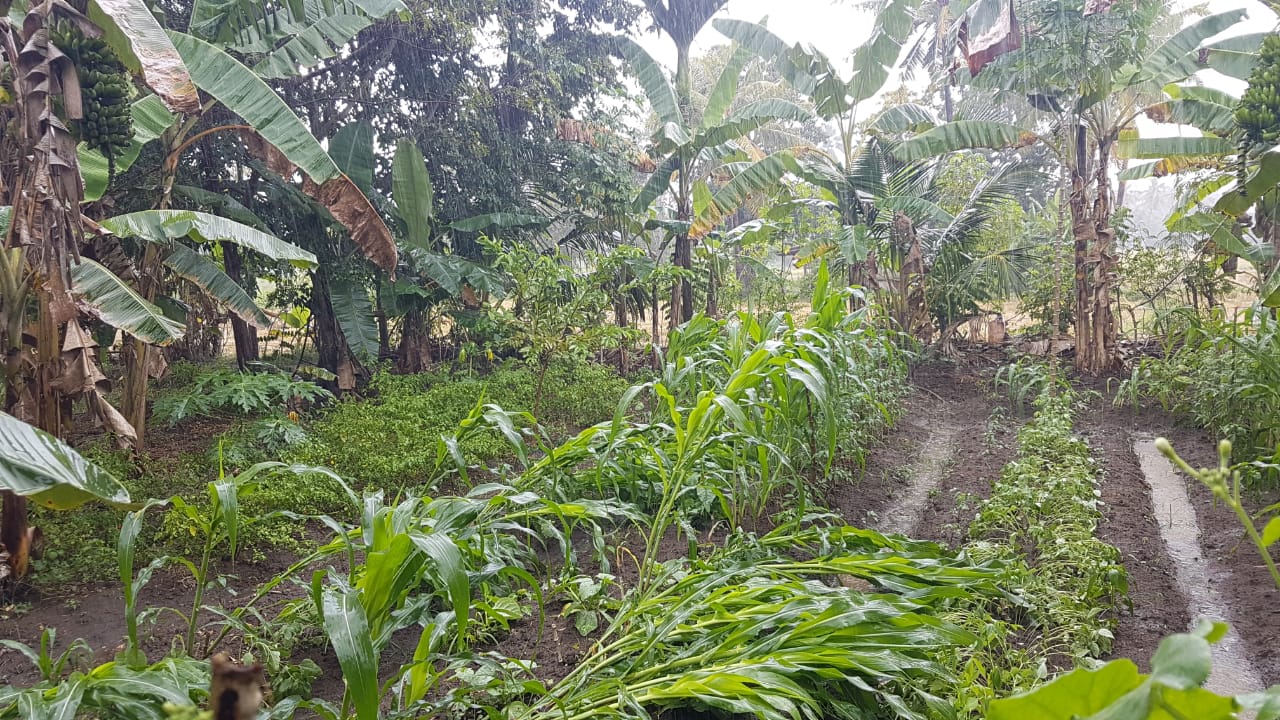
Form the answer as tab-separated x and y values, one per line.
460	359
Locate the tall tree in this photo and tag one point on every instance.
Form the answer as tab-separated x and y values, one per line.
1087	76
682	20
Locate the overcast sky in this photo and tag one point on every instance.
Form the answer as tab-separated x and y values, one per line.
838	27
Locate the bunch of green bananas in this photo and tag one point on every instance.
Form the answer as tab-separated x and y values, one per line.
104	87
1258	114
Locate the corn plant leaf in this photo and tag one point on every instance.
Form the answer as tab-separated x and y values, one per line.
37	465
354	312
449	569
412	192
116	304
245	94
63	705
653	79
352	150
962	135
348	630
136	36
150	120
202	271
162	226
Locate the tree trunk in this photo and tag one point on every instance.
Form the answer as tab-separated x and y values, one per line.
135	353
246	335
329	340
713	296
1094	263
414	354
682	292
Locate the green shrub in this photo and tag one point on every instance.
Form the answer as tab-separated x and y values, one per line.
1223	374
390	441
235	392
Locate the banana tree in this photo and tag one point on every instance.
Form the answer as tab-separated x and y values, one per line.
847	178
270	130
1088	107
1239	181
692	149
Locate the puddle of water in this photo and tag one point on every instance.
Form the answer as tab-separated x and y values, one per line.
926	472
1233	673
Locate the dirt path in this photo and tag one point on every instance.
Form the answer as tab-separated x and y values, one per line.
927	474
1233	671
922	477
1164	596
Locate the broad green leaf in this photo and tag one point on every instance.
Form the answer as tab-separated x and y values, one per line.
1182	661
352	151
412	192
226	205
498	221
6	215
1166	166
1271	533
245	94
1205	116
1153	148
35	464
1235	56
116	304
139	40
873	60
726	88
348	630
793	63
313	45
354	311
1262	181
150	120
653	79
657	185
1078	694
162	226
202	271
907	117
1178	57
962	135
748	118
758	177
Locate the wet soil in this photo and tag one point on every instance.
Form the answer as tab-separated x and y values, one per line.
1159	606
978	440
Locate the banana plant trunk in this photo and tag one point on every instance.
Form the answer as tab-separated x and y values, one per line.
414	353
1095	265
246	336
682	293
